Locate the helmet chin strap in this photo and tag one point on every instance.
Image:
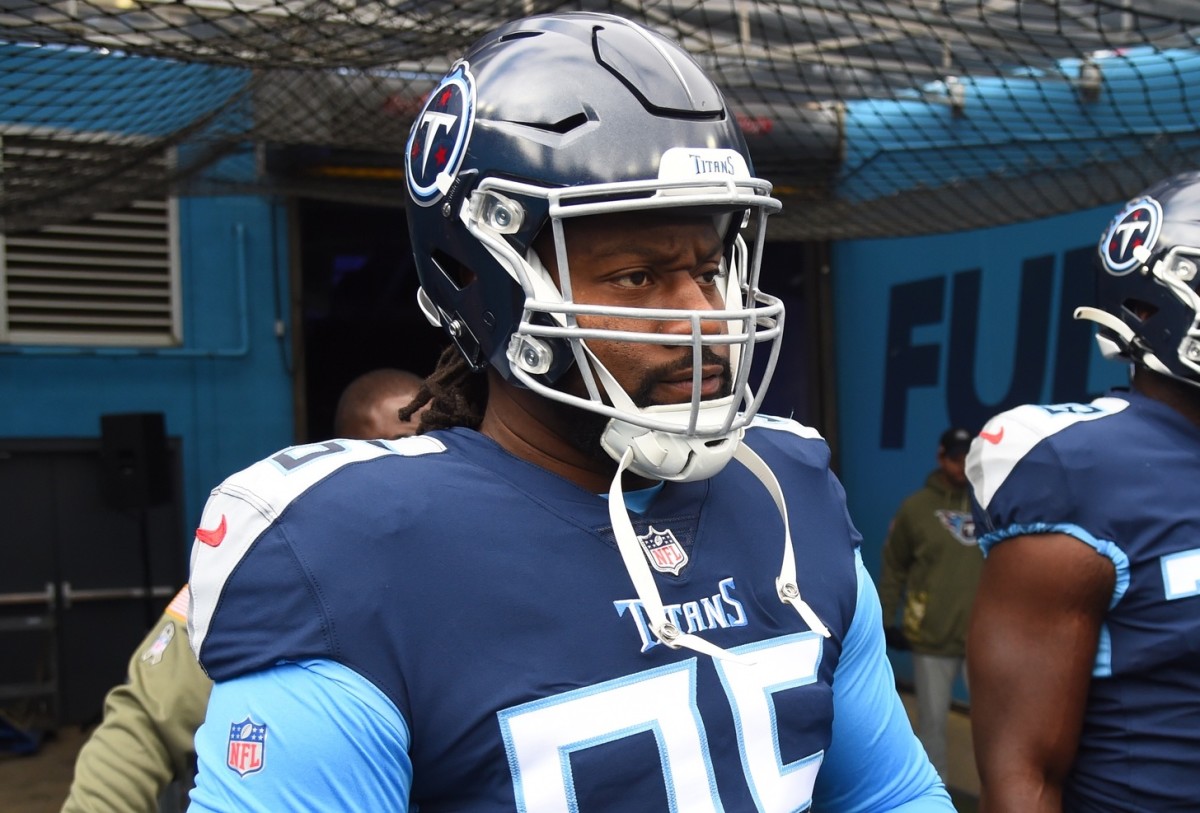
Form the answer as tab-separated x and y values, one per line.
662	454
666	631
785	584
643	580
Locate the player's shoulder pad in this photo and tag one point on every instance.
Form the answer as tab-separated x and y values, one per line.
761	421
785	442
272	483
1009	437
245	505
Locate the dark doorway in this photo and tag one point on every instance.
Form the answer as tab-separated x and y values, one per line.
358	304
802	385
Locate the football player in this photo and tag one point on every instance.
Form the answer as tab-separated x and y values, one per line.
1084	646
596	580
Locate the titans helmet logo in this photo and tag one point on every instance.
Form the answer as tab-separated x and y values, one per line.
438	140
1136	226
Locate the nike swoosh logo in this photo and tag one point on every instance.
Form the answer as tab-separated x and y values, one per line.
990	437
214	537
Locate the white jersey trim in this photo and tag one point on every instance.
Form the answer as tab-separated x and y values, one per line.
761	421
240	509
1008	437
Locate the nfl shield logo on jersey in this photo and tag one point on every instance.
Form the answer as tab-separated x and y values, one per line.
247	746
664	551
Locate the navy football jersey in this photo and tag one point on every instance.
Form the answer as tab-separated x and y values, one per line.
435	623
1120	474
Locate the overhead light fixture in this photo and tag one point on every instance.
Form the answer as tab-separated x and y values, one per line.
956	94
1090	81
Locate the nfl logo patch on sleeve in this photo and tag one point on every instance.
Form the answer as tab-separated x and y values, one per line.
247	747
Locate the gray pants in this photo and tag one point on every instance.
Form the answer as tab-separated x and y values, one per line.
934	679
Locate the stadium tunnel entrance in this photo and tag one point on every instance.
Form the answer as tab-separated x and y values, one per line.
357	307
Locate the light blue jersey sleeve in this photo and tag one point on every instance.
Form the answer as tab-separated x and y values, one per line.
874	761
308	736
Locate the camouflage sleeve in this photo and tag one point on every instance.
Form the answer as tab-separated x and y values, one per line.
145	740
897	559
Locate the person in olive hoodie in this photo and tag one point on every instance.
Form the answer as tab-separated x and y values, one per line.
931	566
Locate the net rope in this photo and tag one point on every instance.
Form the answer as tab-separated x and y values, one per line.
874	118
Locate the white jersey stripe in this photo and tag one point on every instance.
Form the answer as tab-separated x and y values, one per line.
1008	437
246	503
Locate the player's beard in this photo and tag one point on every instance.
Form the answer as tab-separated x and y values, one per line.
642	395
585	428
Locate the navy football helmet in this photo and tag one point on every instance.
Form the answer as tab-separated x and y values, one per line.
570	115
1147	288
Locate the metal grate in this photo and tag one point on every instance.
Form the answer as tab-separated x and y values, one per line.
110	279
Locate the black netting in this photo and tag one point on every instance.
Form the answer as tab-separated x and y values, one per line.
873	117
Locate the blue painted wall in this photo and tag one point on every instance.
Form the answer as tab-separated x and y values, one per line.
950	329
226	393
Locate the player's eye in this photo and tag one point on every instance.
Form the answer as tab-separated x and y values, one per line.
634	279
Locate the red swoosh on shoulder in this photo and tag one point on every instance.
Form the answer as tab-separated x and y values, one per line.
213	537
993	437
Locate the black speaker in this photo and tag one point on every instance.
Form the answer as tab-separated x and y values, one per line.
133	460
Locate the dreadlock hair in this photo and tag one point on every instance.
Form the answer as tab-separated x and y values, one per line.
455	394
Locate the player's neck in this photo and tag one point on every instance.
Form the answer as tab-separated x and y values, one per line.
548	435
1183	398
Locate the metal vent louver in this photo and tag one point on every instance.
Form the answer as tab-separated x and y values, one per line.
110	279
